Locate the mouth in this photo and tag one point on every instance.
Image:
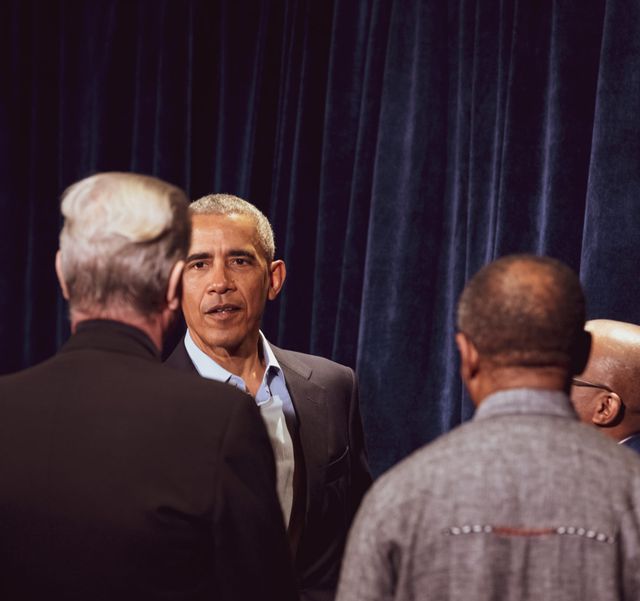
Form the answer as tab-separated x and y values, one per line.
224	310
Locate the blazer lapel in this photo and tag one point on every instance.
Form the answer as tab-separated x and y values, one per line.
309	402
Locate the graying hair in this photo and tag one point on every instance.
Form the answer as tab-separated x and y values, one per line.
227	204
122	234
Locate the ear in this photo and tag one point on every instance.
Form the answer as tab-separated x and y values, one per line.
608	407
277	275
173	289
468	358
63	284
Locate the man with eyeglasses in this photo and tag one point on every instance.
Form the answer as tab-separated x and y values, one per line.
607	392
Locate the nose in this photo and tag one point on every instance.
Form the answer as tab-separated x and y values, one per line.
220	281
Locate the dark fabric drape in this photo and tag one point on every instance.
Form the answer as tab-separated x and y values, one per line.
397	146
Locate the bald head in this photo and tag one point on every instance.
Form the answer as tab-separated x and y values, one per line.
612	401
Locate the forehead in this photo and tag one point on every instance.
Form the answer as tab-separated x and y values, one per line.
223	231
598	363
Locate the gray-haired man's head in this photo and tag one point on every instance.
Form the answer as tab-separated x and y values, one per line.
122	234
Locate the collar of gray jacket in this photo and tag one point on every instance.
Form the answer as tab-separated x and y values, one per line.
526	400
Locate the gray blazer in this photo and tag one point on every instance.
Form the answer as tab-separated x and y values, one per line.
522	503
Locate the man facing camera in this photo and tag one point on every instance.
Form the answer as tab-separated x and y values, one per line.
606	394
309	404
524	501
121	479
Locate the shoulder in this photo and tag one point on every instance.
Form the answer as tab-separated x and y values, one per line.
406	501
152	396
415	476
212	415
304	364
179	358
189	387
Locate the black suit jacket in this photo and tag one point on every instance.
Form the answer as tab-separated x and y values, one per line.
332	474
121	479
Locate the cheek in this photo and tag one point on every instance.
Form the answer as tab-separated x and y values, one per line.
582	404
255	294
190	297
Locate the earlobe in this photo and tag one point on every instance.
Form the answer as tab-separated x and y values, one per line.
60	275
608	408
277	275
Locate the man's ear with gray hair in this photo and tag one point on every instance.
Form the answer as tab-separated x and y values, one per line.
174	287
61	281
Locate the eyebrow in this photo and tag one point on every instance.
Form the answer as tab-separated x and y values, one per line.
234	252
239	252
198	257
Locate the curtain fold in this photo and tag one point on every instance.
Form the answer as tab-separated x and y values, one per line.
396	145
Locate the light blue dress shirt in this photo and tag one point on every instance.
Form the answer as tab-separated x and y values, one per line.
274	402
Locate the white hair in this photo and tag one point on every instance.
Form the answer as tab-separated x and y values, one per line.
227	204
122	234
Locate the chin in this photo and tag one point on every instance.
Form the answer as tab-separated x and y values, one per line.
228	343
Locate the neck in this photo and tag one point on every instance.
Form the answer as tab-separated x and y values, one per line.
623	430
507	378
246	362
151	325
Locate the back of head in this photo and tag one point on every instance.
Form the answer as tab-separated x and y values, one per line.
524	311
227	204
122	234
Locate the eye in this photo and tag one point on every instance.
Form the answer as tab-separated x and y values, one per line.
239	261
198	265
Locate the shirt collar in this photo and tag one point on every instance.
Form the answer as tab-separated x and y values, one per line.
112	335
208	368
526	400
272	364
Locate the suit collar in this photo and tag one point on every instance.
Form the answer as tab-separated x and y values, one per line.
526	400
109	335
291	362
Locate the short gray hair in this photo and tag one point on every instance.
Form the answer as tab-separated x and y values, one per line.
122	234
227	204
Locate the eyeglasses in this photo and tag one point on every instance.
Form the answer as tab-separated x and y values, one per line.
579	382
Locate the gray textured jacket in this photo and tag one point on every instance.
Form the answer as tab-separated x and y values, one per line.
522	503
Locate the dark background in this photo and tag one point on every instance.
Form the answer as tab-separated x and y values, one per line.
396	146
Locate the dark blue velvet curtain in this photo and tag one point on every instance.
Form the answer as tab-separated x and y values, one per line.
397	146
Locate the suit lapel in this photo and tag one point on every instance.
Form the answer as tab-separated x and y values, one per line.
309	402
